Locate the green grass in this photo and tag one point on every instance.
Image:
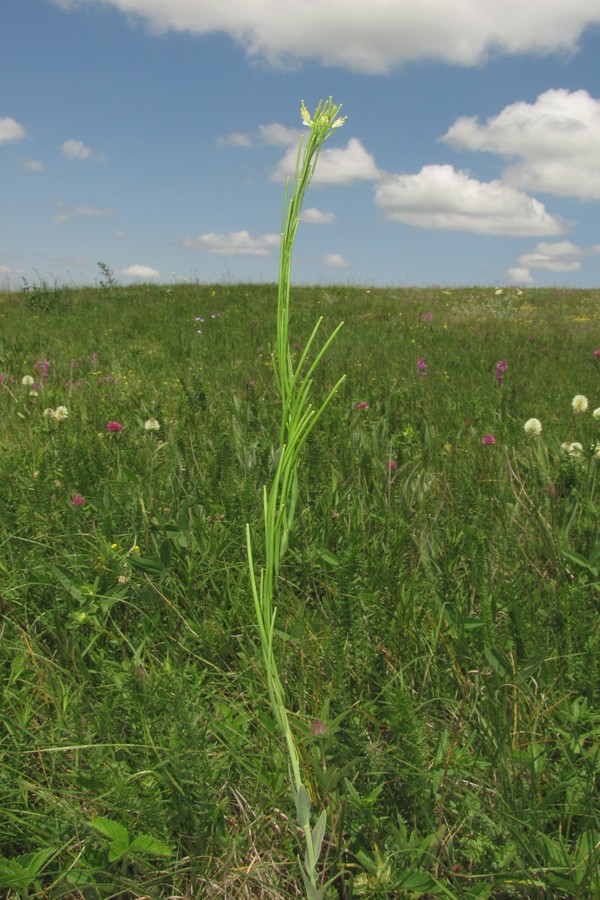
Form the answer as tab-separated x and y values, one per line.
438	619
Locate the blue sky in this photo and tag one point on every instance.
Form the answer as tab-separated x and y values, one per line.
156	136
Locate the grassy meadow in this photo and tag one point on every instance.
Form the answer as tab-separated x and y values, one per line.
438	630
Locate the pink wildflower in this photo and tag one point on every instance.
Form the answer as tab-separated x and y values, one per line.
596	353
500	369
422	367
362	405
488	439
114	426
392	465
78	500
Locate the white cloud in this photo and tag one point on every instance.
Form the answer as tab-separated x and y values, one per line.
440	197
10	130
561	256
314	216
518	275
555	141
73	149
236	243
137	271
68	213
31	165
334	259
235	139
337	165
374	38
277	135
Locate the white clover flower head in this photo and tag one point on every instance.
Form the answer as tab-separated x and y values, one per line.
61	413
572	449
33	393
533	427
49	413
579	404
27	380
596	413
152	424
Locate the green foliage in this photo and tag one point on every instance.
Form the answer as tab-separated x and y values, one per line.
438	620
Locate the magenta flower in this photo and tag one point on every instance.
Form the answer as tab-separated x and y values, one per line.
500	369
362	405
488	439
596	353
422	367
392	464
114	426
78	500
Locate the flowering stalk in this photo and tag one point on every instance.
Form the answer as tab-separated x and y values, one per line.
298	418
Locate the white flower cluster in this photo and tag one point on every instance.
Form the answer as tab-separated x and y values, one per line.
59	414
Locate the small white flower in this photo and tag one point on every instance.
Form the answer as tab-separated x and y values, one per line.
339	122
573	449
306	119
49	413
580	403
61	413
27	380
151	424
596	413
33	393
533	427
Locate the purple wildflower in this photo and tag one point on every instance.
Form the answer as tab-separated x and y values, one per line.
78	500
488	439
422	367
500	369
114	426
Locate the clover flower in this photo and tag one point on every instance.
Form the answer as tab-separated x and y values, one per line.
572	449
152	424
78	500
362	405
488	439
61	413
579	404
422	367
49	413
114	426
533	427
27	381
596	413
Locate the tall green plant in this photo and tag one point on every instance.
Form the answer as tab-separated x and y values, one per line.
298	418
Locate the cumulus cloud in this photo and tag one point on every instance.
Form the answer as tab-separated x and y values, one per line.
440	197
274	135
373	40
31	165
10	130
519	275
235	139
137	271
561	256
236	243
68	213
73	149
336	260
556	256
337	165
554	140
314	216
